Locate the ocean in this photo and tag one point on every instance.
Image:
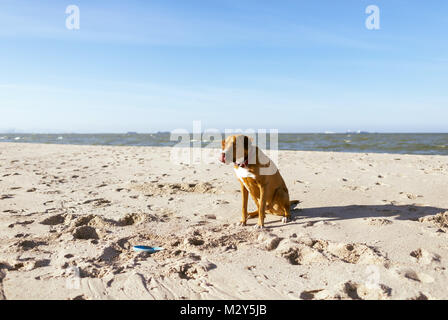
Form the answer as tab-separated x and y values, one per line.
400	143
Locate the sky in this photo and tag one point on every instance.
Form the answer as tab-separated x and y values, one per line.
158	65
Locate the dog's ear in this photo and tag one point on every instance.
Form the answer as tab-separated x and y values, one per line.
223	144
247	142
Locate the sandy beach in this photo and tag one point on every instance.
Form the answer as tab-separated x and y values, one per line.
369	226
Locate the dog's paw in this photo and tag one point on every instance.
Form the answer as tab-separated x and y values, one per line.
286	219
242	223
258	227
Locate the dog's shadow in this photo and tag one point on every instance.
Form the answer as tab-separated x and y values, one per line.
402	212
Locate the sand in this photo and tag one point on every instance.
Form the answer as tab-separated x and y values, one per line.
369	226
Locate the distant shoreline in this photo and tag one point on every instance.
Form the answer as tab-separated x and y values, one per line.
388	143
168	132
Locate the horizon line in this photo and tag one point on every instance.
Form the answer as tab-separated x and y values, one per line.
235	131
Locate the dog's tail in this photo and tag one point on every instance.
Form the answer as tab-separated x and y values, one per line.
293	202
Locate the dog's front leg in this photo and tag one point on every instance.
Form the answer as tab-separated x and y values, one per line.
245	194
261	208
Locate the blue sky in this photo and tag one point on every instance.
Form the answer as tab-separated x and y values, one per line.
296	66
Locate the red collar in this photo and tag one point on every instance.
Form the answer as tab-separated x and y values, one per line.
242	164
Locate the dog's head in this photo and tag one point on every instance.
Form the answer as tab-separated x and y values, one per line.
235	149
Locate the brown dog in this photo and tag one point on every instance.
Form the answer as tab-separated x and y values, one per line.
258	176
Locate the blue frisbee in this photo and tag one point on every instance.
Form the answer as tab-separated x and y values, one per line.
147	249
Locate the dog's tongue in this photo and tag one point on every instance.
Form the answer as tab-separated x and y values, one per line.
223	158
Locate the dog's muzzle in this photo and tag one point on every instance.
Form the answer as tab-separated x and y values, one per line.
223	157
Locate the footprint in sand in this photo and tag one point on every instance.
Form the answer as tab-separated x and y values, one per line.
124	243
269	241
421	296
191	270
416	276
220	202
174	188
40	263
109	254
23	223
85	233
440	220
30	244
318	294
53	220
135	218
307	251
319	223
425	257
378	221
10	211
359	291
101	202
